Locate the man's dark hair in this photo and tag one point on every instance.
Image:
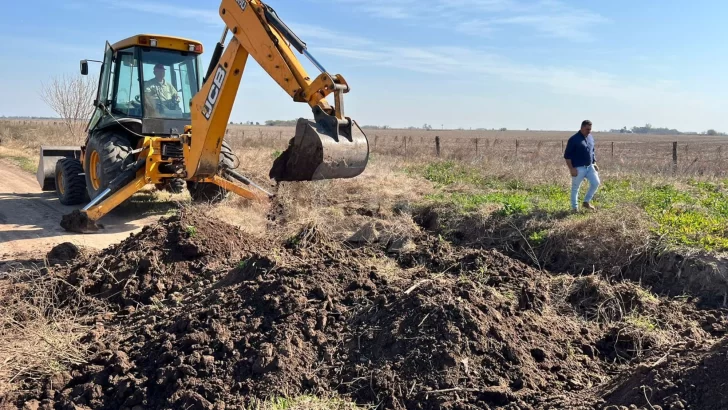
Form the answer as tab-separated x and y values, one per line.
586	122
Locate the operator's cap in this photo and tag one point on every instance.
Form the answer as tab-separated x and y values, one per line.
159	67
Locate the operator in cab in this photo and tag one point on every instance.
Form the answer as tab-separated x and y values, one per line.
159	94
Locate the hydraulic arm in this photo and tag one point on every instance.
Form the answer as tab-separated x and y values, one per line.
331	146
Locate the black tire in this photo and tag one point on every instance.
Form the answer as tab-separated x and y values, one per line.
70	182
114	151
209	192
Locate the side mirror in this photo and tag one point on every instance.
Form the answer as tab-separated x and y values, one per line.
84	67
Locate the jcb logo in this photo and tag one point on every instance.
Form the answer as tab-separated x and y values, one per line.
242	4
214	93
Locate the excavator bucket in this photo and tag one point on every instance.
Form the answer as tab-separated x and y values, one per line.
323	149
78	221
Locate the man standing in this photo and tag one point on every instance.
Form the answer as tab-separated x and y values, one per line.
582	162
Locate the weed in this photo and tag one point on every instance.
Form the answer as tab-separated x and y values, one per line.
242	264
304	402
451	172
191	231
537	238
641	322
509	203
276	154
646	296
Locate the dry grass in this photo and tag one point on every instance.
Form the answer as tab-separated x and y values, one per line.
305	403
511	151
40	329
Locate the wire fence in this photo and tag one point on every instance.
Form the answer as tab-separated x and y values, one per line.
700	158
709	158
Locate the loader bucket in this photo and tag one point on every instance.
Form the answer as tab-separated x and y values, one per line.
49	155
323	149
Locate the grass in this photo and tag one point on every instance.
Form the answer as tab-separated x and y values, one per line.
305	402
686	212
642	322
39	337
26	164
191	231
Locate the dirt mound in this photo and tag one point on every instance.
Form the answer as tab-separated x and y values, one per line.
207	316
693	381
63	252
161	260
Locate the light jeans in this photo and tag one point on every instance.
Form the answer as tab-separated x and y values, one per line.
592	176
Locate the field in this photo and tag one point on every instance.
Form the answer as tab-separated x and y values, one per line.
456	281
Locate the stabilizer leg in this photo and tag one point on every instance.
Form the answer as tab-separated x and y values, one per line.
84	221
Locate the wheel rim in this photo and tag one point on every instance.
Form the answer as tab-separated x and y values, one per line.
94	170
59	182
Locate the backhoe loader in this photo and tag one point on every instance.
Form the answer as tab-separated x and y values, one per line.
158	121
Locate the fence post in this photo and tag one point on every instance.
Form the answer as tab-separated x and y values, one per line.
516	148
476	147
674	156
612	149
280	135
376	139
562	145
405	146
437	145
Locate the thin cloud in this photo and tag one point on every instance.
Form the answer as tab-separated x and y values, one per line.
209	16
560	80
550	18
206	16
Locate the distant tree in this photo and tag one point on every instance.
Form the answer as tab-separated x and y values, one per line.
257	123
427	127
712	132
71	97
289	123
503	129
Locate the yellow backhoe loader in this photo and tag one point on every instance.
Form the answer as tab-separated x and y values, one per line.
158	121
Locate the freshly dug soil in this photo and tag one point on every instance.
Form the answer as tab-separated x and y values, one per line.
682	380
208	318
79	222
63	252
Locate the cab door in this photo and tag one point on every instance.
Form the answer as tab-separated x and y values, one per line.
102	93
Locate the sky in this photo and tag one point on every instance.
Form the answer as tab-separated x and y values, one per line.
537	64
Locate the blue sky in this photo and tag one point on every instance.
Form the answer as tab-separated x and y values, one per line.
538	64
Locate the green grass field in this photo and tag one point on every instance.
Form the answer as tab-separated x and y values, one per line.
685	212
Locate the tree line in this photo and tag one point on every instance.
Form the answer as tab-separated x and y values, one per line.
649	129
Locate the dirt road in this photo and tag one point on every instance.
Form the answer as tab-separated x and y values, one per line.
29	218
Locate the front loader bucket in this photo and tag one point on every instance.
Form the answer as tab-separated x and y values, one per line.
49	156
324	149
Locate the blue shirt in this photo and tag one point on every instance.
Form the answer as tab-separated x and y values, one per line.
580	150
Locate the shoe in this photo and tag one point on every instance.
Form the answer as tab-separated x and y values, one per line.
589	206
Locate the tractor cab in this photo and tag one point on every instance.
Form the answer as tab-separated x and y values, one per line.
146	84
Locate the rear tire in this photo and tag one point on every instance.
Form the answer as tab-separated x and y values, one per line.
207	191
70	183
106	154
